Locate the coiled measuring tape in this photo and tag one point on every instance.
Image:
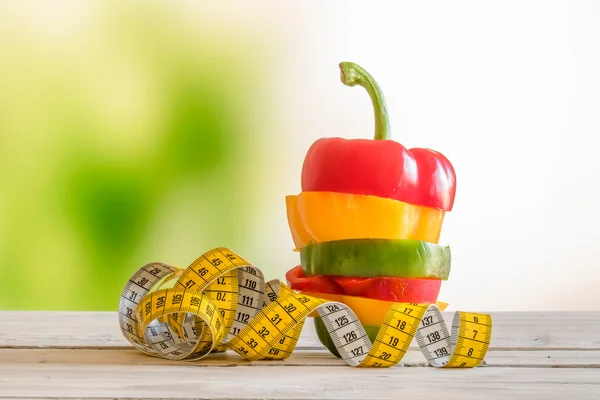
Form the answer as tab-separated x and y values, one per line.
222	301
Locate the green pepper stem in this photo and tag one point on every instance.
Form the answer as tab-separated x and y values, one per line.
352	75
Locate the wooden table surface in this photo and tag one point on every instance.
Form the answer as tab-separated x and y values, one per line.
533	355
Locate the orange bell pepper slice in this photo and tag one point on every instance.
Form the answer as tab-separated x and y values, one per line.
370	312
327	216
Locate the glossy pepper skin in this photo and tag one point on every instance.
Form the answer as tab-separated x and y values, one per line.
369	258
409	290
315	217
379	167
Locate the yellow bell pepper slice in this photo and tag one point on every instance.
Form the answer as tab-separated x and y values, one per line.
370	312
327	216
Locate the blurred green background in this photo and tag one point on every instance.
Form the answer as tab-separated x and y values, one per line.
127	135
141	131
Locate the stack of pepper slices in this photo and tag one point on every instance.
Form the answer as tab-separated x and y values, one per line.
368	220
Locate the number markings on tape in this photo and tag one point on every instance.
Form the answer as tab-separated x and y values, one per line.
221	301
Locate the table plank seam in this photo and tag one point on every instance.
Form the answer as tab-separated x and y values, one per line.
306	348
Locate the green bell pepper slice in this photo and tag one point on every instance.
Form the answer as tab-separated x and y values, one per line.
367	258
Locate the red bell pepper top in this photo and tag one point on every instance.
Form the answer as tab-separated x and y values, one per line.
382	168
379	167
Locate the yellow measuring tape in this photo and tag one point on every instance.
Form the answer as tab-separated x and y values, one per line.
221	302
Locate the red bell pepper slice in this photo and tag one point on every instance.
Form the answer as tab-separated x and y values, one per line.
409	290
380	167
380	288
320	284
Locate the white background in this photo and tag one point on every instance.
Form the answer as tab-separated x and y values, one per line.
509	91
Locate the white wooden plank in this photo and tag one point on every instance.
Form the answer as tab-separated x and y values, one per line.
258	382
316	358
68	329
512	330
